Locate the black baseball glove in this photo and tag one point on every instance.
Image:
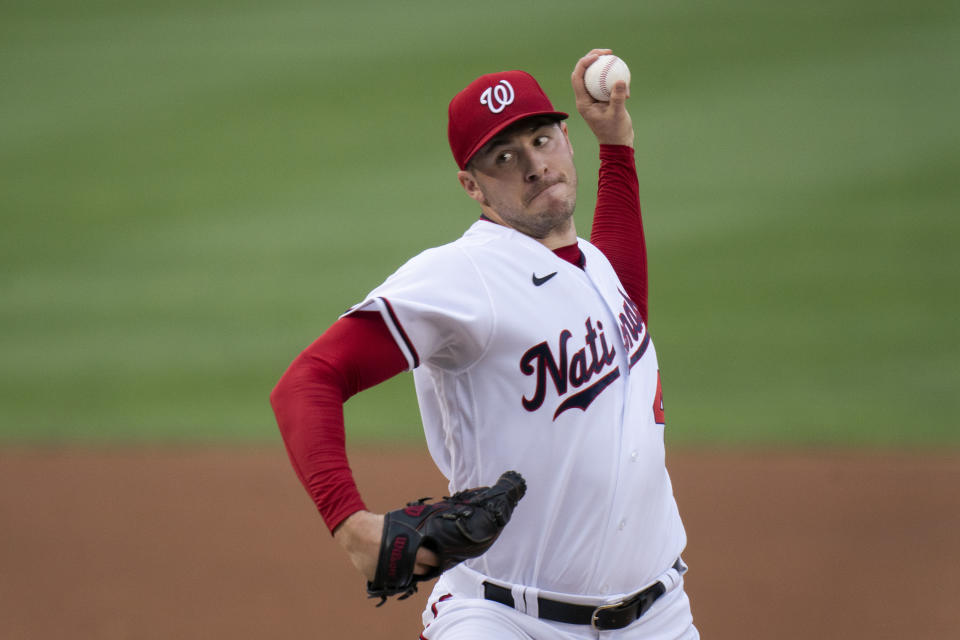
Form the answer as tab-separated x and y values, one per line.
458	527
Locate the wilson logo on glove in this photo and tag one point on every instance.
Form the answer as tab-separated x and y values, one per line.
396	554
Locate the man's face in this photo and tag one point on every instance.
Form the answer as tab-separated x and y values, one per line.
525	177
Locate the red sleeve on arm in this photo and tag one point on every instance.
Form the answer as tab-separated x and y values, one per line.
355	353
617	225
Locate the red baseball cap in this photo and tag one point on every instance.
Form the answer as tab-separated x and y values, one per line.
489	104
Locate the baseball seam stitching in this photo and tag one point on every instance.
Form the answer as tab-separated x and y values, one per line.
603	76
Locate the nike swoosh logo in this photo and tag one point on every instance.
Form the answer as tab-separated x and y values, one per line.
537	281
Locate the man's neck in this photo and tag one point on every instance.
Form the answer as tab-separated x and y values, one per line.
557	239
554	240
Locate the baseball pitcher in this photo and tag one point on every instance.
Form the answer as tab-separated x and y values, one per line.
539	389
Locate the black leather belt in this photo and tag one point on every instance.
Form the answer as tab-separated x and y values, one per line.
605	617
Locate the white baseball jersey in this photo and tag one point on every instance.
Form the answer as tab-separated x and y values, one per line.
524	361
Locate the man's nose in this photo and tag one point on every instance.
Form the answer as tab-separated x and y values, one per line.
535	166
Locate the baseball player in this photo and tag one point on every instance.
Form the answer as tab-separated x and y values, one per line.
533	364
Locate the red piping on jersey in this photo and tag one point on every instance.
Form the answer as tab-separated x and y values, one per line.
403	334
433	607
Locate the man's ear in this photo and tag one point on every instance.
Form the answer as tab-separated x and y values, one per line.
566	135
471	186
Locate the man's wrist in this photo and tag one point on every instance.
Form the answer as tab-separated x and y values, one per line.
352	527
624	141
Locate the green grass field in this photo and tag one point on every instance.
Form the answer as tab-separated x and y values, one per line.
191	192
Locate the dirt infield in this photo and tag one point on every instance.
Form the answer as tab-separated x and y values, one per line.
224	543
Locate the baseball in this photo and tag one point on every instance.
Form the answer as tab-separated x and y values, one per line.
603	74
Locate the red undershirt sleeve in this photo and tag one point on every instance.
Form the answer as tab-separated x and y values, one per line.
355	353
617	224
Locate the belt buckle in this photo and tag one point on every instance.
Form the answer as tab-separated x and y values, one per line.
623	605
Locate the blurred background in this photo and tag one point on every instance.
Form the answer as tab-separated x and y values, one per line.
191	192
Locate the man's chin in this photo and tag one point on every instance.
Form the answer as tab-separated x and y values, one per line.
554	221
558	210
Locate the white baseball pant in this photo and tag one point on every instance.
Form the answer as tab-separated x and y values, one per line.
456	610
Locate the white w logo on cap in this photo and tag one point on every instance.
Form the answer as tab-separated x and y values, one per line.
498	96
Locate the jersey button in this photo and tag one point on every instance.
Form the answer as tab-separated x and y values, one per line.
620	527
634	455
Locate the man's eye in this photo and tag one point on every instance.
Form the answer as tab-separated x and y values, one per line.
504	156
541	140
